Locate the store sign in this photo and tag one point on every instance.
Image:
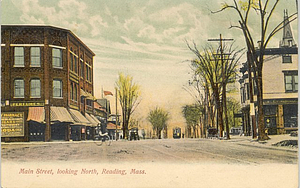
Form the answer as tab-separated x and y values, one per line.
27	103
12	124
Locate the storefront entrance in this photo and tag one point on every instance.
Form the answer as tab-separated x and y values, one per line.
36	131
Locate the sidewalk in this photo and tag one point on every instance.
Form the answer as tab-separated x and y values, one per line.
274	139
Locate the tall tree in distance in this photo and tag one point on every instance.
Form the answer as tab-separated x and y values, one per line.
158	119
193	116
128	94
264	9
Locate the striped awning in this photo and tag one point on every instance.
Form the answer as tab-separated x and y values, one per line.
36	114
78	117
91	120
60	114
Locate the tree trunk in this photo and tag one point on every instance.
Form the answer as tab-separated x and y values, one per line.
261	123
225	110
219	111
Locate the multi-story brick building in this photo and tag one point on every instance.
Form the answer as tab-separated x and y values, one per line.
46	84
280	86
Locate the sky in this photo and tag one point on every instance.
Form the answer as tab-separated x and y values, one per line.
145	39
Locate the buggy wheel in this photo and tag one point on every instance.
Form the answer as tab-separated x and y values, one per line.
107	140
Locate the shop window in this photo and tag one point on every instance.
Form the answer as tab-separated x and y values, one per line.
57	58
286	59
290	115
19	88
57	88
19	57
35	88
35	57
291	82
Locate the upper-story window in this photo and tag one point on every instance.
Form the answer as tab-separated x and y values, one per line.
19	56
291	82
35	56
57	58
286	59
81	69
57	88
75	64
19	88
35	88
71	61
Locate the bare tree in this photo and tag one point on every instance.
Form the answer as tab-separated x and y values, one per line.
217	69
265	10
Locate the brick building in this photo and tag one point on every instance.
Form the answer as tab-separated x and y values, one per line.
46	84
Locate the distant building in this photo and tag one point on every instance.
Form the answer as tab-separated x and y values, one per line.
280	87
46	84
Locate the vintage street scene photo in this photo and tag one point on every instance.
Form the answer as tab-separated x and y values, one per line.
149	93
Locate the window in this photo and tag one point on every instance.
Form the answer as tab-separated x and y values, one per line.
291	82
57	58
35	57
19	88
57	88
35	88
286	59
75	92
81	69
19	57
87	72
71	61
75	64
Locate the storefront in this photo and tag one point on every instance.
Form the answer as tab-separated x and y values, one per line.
78	128
36	123
60	123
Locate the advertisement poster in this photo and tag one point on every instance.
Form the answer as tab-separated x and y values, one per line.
149	93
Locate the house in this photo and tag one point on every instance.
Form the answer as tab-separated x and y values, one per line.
46	84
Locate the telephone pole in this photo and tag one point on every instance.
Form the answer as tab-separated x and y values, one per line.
220	116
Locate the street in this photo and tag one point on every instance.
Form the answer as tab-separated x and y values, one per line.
163	150
148	163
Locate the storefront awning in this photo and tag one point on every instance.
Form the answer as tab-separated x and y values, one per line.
91	120
78	117
83	93
91	97
112	126
36	114
95	118
60	114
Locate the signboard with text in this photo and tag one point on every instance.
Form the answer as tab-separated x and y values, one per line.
12	124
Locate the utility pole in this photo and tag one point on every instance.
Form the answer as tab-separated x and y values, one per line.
223	88
116	114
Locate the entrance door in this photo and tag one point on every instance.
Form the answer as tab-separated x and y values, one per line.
58	131
36	131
